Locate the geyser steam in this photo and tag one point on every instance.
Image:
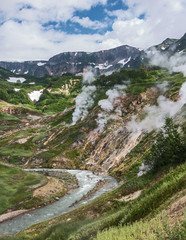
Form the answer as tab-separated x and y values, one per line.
85	99
174	63
107	105
156	115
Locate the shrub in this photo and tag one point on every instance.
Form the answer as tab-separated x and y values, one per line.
169	147
4	95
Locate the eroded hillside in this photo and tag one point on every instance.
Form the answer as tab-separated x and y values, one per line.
110	126
102	131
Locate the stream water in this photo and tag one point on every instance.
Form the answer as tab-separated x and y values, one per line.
87	181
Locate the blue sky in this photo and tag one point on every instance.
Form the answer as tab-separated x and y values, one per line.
39	29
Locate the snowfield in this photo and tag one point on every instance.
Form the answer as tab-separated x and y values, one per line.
35	95
40	64
15	79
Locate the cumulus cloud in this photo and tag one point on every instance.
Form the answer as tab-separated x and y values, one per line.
29	41
26	35
45	10
146	23
88	23
28	21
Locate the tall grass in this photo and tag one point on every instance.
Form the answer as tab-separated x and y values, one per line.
156	229
129	213
137	230
147	203
16	186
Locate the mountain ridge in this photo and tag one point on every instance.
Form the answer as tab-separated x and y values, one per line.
75	62
103	61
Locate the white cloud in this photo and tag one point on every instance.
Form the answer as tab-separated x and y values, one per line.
29	41
45	10
125	31
163	18
23	36
87	23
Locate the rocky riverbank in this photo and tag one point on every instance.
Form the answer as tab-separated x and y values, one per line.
57	185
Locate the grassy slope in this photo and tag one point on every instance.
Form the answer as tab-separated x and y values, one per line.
65	137
59	92
110	210
158	229
16	186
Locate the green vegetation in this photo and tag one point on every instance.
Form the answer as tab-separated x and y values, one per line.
8	117
159	190
59	92
16	186
16	152
53	141
169	147
149	201
4	74
156	229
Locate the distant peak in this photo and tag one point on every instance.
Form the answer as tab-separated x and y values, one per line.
184	36
169	41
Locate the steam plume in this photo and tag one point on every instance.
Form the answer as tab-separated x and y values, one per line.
175	63
107	105
155	115
85	99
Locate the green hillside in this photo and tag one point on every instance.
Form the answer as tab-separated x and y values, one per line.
115	129
17	186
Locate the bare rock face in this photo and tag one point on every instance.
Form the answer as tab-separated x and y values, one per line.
76	62
103	61
83	145
62	162
107	149
113	144
19	111
112	149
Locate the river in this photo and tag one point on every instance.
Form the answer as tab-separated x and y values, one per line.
87	181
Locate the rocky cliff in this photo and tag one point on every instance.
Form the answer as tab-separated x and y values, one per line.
76	62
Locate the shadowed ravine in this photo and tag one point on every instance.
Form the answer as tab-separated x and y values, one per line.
87	181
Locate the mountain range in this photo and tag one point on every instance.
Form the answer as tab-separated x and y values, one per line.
113	124
103	62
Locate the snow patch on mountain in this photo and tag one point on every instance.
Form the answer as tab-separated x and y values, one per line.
35	95
124	61
103	67
40	64
17	89
16	79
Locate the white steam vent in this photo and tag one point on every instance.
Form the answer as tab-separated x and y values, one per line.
156	115
85	99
